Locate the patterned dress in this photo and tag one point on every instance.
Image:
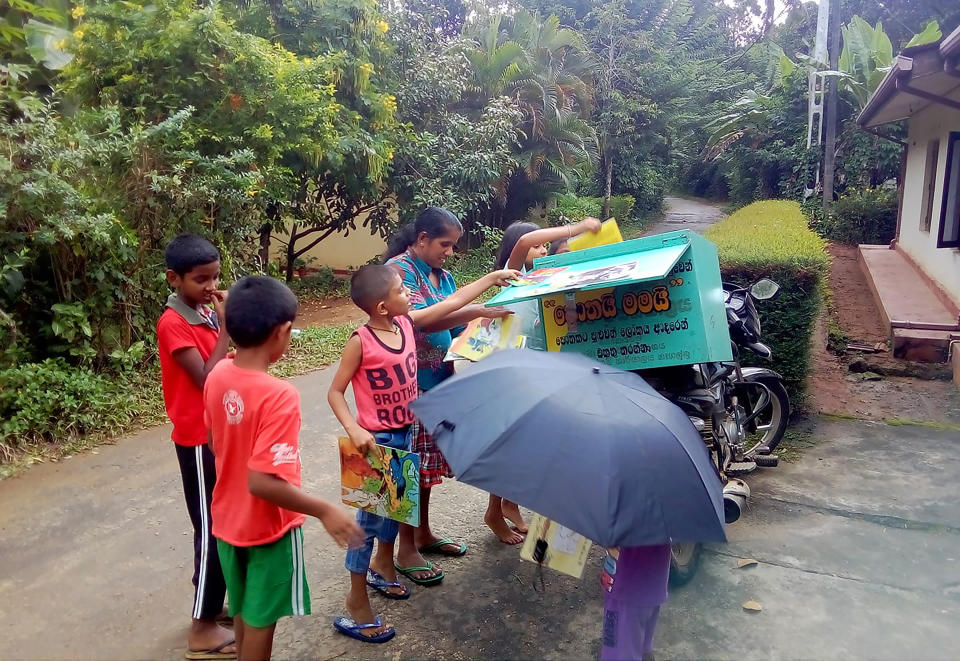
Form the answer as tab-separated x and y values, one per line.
431	348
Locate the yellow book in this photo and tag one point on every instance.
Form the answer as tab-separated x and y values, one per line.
566	551
609	233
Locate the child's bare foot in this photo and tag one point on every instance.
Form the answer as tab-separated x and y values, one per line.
412	558
358	605
511	512
389	573
208	635
499	526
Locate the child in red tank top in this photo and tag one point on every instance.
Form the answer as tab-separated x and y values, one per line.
380	362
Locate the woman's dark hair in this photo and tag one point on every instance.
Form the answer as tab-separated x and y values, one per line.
436	222
510	237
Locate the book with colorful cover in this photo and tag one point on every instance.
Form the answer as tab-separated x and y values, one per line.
482	337
385	482
566	550
609	233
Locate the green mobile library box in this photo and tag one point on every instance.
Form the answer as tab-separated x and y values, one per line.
650	302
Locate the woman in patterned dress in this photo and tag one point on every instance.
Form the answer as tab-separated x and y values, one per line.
419	252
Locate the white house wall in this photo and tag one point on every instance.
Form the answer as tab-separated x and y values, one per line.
941	264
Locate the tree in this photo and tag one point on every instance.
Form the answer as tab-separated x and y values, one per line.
335	190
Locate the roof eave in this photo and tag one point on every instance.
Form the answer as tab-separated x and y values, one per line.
950	45
902	68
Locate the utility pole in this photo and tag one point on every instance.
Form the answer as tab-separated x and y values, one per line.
830	119
816	85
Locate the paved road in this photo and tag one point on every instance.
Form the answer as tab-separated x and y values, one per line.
857	547
684	214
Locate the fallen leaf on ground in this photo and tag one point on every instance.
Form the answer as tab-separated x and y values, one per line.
752	606
746	562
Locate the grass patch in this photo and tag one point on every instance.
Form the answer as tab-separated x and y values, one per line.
795	443
837	340
929	424
317	347
104	407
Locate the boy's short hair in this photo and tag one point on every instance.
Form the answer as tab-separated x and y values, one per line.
371	284
256	305
188	251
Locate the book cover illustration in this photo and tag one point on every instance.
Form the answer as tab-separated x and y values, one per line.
536	277
566	551
481	338
386	482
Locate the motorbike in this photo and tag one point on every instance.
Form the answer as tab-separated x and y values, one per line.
741	412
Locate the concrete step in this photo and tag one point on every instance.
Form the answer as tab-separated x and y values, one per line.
921	323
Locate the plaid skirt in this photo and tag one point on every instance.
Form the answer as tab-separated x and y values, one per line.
433	467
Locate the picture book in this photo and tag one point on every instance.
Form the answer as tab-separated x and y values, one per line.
609	233
566	551
481	338
385	482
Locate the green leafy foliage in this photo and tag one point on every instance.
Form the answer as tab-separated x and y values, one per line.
861	216
571	208
771	240
54	402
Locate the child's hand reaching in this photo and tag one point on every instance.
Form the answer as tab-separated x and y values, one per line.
361	439
589	225
494	312
502	277
341	526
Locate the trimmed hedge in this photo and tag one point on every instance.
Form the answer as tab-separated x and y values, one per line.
772	240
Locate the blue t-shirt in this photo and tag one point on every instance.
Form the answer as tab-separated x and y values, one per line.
431	347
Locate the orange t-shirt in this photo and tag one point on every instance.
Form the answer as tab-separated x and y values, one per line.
255	420
181	396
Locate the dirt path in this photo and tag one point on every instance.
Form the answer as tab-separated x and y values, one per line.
834	389
682	213
328	312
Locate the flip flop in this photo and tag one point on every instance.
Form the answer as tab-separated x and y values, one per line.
437	548
212	654
382	585
348	627
408	572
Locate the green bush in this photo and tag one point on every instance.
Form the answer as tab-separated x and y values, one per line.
862	216
322	284
571	208
771	240
53	402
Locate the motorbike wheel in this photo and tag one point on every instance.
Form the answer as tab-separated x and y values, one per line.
684	561
772	422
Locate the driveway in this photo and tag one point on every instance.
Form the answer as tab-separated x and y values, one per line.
680	213
856	543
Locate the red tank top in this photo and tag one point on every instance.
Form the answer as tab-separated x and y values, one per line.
386	381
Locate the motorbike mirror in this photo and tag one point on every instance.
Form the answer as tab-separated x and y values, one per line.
764	289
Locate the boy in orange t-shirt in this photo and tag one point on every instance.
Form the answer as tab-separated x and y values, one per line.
258	506
191	340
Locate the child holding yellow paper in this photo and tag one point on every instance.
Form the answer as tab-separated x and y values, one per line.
521	244
524	242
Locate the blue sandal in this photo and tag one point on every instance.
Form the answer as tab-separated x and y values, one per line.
382	585
348	627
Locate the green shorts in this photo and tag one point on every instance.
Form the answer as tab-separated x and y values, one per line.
265	583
